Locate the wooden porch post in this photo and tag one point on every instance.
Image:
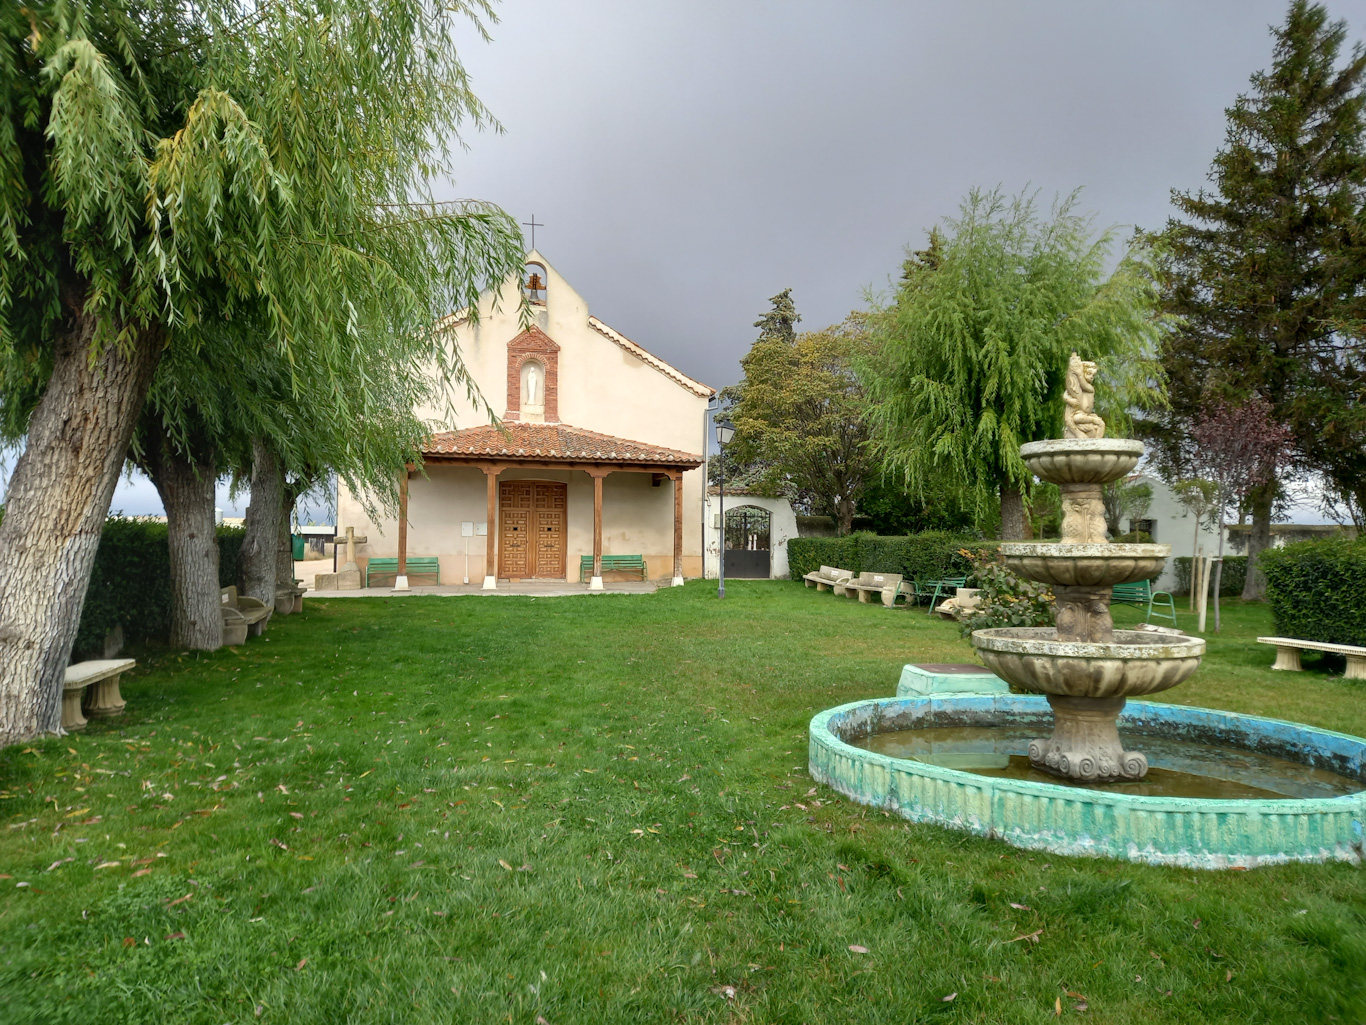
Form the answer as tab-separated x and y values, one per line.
678	530
401	580
596	583
490	543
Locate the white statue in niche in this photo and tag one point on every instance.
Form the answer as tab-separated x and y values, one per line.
533	385
533	390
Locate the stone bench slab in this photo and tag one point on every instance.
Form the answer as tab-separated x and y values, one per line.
92	688
1288	654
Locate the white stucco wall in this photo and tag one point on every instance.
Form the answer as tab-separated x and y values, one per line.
1174	525
601	387
782	528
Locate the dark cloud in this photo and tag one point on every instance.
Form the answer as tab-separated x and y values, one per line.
690	160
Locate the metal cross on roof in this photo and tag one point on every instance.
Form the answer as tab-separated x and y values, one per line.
533	226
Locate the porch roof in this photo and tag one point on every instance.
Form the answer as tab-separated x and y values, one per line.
515	442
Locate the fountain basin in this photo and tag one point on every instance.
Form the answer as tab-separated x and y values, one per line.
1086	565
1081	460
1033	659
1192	832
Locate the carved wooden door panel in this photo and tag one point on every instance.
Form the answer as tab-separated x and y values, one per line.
548	519
515	554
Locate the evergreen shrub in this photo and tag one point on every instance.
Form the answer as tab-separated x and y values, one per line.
1230	583
130	585
930	555
1317	590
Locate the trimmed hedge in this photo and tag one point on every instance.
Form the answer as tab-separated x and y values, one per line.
1317	590
130	585
927	556
1230	583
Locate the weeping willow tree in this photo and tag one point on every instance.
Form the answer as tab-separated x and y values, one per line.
177	172
973	348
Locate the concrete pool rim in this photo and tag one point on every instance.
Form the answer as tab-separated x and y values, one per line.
1191	832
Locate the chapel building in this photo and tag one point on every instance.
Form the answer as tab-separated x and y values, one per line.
597	450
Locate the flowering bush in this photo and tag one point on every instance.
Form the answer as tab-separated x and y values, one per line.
1006	599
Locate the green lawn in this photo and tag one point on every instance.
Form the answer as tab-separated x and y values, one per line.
593	810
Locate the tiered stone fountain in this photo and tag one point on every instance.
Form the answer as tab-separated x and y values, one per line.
1085	667
1226	790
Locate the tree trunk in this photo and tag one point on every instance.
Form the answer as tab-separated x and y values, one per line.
284	558
1012	514
1259	540
186	488
844	515
260	546
58	500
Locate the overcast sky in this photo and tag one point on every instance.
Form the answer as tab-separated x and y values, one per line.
691	159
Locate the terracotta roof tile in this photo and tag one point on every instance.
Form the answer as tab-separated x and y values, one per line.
552	443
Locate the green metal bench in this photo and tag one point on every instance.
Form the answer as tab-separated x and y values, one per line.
934	588
418	565
613	564
1142	595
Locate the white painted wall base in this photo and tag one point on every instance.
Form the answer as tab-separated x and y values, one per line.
676	582
401	583
595	584
490	584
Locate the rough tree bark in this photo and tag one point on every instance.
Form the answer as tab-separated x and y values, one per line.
844	515
186	487
58	500
1012	514
284	558
260	546
1258	541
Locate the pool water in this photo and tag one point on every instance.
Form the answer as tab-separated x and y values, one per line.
1176	767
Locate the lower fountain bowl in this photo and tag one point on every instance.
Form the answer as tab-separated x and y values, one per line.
1103	822
1135	663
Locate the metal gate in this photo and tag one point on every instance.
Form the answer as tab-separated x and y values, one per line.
747	542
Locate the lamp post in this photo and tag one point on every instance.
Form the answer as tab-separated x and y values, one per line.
725	430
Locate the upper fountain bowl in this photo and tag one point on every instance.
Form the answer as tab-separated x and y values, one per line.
1081	460
1093	565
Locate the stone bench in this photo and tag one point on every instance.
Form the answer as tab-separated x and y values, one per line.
827	577
92	688
1288	654
867	585
243	615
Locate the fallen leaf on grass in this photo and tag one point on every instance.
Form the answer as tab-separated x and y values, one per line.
1021	907
106	864
949	999
128	941
1032	937
505	864
295	815
1057	1007
142	872
278	844
78	812
62	861
858	949
180	900
1228	975
175	935
299	967
724	991
541	1021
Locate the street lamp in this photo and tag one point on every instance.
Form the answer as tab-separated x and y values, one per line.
725	430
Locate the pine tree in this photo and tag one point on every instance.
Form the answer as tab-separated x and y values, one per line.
1267	270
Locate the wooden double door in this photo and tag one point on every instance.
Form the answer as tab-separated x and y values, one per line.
531	529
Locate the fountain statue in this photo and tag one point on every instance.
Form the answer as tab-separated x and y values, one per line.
1084	666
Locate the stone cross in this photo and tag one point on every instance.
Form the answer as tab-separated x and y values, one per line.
350	540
